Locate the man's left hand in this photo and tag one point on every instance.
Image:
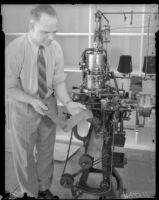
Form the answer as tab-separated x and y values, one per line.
75	107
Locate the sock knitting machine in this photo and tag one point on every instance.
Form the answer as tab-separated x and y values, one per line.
106	127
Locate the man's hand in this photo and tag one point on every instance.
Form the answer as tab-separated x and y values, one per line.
39	106
75	107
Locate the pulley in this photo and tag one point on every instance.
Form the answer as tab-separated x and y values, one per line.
86	161
67	180
104	185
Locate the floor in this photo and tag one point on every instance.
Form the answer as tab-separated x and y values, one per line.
138	175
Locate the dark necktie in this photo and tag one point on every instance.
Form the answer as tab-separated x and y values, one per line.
42	84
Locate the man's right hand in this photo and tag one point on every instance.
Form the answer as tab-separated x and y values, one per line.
39	106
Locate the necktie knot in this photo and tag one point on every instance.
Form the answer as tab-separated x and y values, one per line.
41	47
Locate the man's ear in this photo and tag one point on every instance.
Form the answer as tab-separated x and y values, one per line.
31	24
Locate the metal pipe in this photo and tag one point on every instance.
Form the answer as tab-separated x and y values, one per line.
147	45
130	12
143	78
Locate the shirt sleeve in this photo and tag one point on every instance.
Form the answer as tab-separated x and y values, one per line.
59	75
12	69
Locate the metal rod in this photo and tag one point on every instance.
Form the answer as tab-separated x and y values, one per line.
131	12
143	78
68	151
116	85
147	45
99	160
142	39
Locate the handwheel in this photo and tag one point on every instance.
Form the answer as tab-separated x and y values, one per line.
104	185
86	161
67	180
104	197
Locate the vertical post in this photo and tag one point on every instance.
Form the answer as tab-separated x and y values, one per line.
89	25
141	41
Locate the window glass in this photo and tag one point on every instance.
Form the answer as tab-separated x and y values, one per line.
124	45
149	45
151	23
73	79
73	18
151	19
9	38
120	23
15	18
73	47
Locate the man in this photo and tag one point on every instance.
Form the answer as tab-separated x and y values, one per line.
29	125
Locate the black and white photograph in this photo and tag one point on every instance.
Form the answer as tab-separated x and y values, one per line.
80	100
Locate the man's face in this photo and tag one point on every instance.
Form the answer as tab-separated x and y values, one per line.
44	31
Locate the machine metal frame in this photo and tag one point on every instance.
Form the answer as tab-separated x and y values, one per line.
106	127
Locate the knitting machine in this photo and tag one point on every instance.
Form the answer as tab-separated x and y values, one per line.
106	131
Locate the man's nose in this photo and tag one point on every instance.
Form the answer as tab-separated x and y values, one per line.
51	36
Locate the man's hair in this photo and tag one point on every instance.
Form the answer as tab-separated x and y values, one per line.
40	9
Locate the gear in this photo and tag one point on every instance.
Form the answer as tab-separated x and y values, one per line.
86	161
67	180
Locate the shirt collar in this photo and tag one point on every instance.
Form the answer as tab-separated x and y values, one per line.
34	47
